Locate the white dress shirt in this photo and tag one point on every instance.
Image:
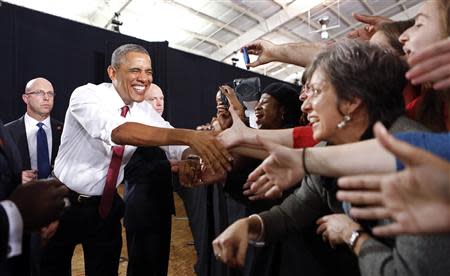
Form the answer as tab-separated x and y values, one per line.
31	129
86	147
15	231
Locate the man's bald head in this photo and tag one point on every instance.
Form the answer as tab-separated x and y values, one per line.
38	83
39	96
155	97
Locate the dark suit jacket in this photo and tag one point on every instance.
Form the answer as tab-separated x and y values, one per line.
10	178
17	130
148	195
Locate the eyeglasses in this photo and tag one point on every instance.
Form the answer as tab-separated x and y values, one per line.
42	93
310	92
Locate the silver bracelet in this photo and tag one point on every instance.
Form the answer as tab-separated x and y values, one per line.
261	232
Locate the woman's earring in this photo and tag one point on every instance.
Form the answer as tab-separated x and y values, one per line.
344	122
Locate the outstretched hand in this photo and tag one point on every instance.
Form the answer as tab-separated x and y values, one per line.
280	171
213	153
371	25
411	198
235	135
191	173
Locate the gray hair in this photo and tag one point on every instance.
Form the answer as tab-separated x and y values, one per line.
360	70
122	51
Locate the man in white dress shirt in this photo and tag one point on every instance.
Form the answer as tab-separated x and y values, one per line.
96	123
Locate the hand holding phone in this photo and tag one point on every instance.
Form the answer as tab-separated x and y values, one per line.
245	55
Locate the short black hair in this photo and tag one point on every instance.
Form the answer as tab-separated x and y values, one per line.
121	51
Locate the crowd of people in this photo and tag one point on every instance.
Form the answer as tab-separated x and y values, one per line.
349	176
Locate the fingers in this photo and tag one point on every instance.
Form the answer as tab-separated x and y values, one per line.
215	155
256	173
370	213
391	229
255	63
360	182
429	52
274	193
434	69
224	251
443	84
369	19
361	197
260	192
322	227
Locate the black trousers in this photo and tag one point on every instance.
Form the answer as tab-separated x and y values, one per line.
148	249
101	240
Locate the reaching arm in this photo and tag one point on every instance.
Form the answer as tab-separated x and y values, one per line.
203	142
300	53
285	167
241	135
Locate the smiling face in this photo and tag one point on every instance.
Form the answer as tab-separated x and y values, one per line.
132	77
429	27
38	106
268	113
322	108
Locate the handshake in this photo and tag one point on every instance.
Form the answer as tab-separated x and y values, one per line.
192	172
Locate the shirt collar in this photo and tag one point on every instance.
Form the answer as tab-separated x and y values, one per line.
30	122
117	101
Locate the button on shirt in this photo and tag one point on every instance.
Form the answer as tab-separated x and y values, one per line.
31	130
86	146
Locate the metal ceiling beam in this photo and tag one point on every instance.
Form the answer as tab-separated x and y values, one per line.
292	35
368	6
204	38
220	24
346	30
343	18
408	13
124	6
243	10
312	22
278	19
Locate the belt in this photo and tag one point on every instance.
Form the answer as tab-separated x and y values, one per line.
76	198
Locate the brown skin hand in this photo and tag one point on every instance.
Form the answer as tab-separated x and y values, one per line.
205	144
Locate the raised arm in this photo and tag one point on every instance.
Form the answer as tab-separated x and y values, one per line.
241	135
300	53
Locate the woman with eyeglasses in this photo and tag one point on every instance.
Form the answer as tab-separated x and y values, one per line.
353	85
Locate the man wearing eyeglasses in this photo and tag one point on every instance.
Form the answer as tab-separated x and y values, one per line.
38	137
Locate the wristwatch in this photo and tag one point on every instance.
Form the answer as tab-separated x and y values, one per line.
354	237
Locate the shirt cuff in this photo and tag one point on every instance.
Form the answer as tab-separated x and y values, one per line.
15	230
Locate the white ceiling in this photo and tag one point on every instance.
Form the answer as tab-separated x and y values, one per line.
219	28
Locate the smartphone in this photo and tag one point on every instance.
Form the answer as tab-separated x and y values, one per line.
224	100
245	55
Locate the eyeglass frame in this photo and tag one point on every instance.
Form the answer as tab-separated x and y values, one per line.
42	93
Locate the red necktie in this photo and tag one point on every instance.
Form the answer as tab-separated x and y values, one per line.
111	178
